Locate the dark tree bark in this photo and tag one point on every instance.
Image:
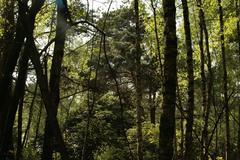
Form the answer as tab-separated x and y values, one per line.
181	154
19	143
157	37
202	61
209	91
207	98
8	30
238	40
152	98
11	54
225	83
139	109
55	74
30	114
38	124
189	154
18	95
28	21
167	121
48	102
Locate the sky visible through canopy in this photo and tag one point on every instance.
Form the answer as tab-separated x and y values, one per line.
103	5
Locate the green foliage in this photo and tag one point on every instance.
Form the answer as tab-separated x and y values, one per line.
87	81
110	153
104	129
150	138
31	153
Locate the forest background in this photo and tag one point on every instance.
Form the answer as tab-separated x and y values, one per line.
110	80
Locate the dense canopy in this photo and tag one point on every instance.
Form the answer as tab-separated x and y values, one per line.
119	80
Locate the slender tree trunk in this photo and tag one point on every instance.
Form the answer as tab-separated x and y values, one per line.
18	95
42	81
38	124
34	55
25	137
209	92
225	83
207	98
203	76
181	122
139	109
11	55
189	152
152	97
167	121
216	137
9	61
8	30
19	143
238	39
13	50
157	38
55	74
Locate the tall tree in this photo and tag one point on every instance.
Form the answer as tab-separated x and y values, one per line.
238	40
19	144
225	82
167	121
8	30
157	37
139	109
190	109
13	49
209	91
202	61
152	96
207	98
28	21
17	97
55	74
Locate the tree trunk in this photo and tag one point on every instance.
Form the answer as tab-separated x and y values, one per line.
152	97
8	30
238	39
18	95
19	143
139	109
25	137
209	91
38	124
43	85
207	98
203	76
181	122
157	37
28	21
55	75
189	154
167	121
225	83
12	52
9	61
